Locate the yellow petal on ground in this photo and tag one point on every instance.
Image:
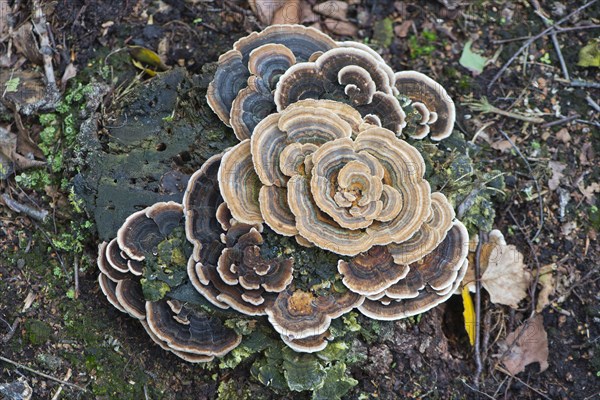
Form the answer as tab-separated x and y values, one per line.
469	314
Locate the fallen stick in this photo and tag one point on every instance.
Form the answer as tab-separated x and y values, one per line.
33	371
14	205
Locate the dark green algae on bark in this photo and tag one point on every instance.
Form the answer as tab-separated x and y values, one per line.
146	146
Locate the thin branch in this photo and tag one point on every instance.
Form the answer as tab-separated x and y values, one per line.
523	382
14	205
33	371
560	121
533	39
478	364
535	182
537	265
485	107
586	84
592	103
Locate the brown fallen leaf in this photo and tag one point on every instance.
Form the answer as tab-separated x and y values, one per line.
289	13
589	191
8	149
270	12
506	277
341	28
402	30
563	135
503	274
502	145
333	9
526	345
557	169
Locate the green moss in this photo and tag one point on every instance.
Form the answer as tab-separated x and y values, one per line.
314	268
423	45
383	32
37	332
230	390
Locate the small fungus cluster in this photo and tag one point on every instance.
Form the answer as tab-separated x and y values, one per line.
323	160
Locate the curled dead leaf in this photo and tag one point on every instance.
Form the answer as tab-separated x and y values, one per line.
557	169
527	344
271	12
503	273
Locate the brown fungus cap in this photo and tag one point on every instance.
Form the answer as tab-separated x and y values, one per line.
239	185
440	114
145	229
341	184
371	272
299	315
429	282
199	334
203	210
189	357
252	68
429	236
241	262
347	74
309	344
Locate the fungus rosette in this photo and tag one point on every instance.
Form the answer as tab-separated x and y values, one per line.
140	266
226	266
241	91
317	170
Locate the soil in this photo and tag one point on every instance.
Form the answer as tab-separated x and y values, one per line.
55	320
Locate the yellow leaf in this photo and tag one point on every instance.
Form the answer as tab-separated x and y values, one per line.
147	57
146	70
469	314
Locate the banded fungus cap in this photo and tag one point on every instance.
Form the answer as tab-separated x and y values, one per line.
431	280
258	60
298	314
431	100
184	329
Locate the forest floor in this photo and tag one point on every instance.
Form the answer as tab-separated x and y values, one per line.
61	338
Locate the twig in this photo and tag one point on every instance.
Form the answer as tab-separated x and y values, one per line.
533	39
547	22
485	107
52	93
576	28
560	121
76	276
499	368
60	388
12	329
537	265
14	205
535	182
477	390
33	371
580	83
478	309
592	103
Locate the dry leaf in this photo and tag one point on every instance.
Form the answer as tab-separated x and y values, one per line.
333	9
502	145
70	72
340	27
402	30
271	12
586	156
547	281
557	169
523	348
563	135
505	277
289	13
588	191
8	150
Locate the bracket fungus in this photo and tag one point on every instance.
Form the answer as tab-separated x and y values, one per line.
321	167
179	328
